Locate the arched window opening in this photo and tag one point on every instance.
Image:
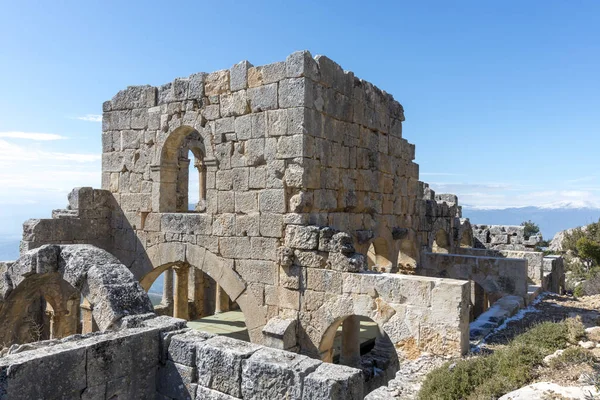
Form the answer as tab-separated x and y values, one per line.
378	258
441	244
407	257
359	342
182	172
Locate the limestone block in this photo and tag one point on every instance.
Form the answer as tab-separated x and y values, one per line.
176	381
332	75
257	178
211	112
239	179
116	120
294	92
324	280
247	225
301	63
216	83
186	223
235	247
18	375
219	364
276	123
266	74
272	200
263	98
182	347
203	393
225	202
280	333
255	152
310	259
258	271
302	237
239	75
264	248
234	104
331	381
271	225
355	262
224	225
134	97
275	374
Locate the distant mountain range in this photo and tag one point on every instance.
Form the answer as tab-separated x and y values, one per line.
550	218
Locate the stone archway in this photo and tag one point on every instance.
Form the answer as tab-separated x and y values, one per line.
81	270
221	270
347	312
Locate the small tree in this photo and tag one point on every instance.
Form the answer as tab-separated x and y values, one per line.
531	228
589	252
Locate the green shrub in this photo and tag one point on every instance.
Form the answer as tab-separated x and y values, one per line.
573	356
507	369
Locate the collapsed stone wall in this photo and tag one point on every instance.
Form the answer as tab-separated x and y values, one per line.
86	220
504	237
153	357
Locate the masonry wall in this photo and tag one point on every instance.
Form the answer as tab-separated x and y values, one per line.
155	358
497	276
87	220
535	260
503	237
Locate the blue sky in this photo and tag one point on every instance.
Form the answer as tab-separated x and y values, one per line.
501	98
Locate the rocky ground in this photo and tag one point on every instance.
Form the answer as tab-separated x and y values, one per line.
551	307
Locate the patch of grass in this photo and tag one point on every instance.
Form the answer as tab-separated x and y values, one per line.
506	369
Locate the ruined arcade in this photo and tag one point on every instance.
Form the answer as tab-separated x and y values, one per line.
309	219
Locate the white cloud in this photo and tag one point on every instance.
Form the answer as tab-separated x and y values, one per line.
31	136
500	196
90	118
30	174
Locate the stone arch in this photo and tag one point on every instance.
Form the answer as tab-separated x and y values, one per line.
441	242
221	270
166	169
343	311
378	255
87	271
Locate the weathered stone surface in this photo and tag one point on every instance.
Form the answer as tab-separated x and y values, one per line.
275	374
333	382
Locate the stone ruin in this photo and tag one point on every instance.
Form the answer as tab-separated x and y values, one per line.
311	219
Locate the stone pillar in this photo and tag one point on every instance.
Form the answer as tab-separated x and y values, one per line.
222	301
87	324
201	206
350	352
167	298
180	306
196	288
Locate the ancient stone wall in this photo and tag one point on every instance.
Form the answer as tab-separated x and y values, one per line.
504	237
86	220
554	274
535	260
155	358
497	276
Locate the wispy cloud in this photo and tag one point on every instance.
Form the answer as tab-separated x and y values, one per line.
31	136
90	118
